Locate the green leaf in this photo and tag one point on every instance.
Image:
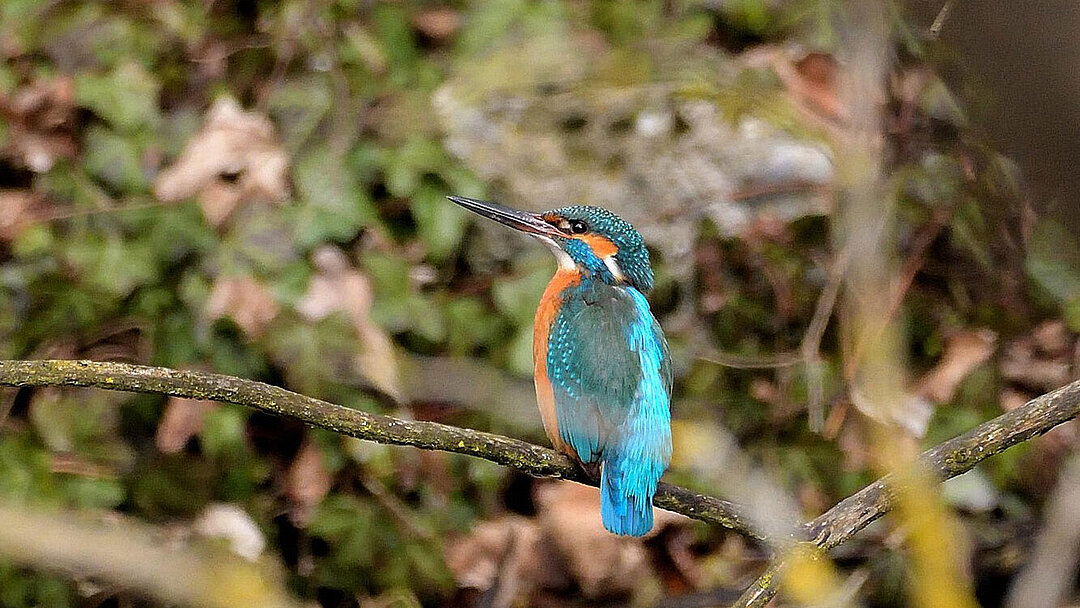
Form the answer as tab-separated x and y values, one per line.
439	223
259	239
426	319
112	264
392	25
333	204
33	241
407	165
1072	313
223	431
126	97
25	471
313	355
520	354
1053	261
469	324
115	160
390	277
21	587
298	106
92	493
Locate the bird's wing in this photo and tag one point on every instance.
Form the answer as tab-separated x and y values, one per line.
606	353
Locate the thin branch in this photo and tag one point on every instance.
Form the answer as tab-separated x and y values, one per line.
735	361
516	454
946	460
942	17
810	346
811	342
809	353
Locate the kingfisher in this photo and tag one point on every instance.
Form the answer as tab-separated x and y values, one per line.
600	360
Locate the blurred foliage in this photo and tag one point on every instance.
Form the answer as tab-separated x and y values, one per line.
98	98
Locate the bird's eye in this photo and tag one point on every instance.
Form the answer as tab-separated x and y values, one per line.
578	227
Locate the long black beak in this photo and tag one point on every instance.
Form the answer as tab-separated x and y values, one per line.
524	221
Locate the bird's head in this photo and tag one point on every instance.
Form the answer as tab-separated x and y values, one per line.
590	240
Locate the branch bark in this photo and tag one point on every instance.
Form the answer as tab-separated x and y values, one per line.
946	460
526	457
949	459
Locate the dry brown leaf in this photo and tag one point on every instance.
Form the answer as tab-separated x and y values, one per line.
1010	399
765	391
18	210
244	300
1040	360
235	158
339	287
438	23
602	563
41	122
182	420
964	351
1052	338
685	573
508	552
912	413
812	498
306	483
817	83
812	81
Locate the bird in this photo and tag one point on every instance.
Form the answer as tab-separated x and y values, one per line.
601	365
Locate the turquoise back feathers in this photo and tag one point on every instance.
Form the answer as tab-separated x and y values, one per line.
609	368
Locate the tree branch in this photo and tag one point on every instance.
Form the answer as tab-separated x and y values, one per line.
516	454
949	459
946	460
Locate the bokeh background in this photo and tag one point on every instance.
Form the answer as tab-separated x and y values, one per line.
257	189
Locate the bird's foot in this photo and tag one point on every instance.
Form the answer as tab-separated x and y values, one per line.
591	470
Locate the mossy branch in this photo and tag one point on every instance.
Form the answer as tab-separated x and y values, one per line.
949	459
526	457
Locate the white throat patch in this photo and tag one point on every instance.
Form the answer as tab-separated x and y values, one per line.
565	261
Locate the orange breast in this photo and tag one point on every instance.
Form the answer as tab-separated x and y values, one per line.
545	316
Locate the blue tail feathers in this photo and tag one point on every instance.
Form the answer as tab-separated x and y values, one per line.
626	493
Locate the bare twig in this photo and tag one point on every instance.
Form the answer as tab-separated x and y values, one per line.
942	17
809	352
785	359
811	342
797	187
115	208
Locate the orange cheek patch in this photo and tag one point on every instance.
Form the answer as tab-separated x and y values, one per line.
601	246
